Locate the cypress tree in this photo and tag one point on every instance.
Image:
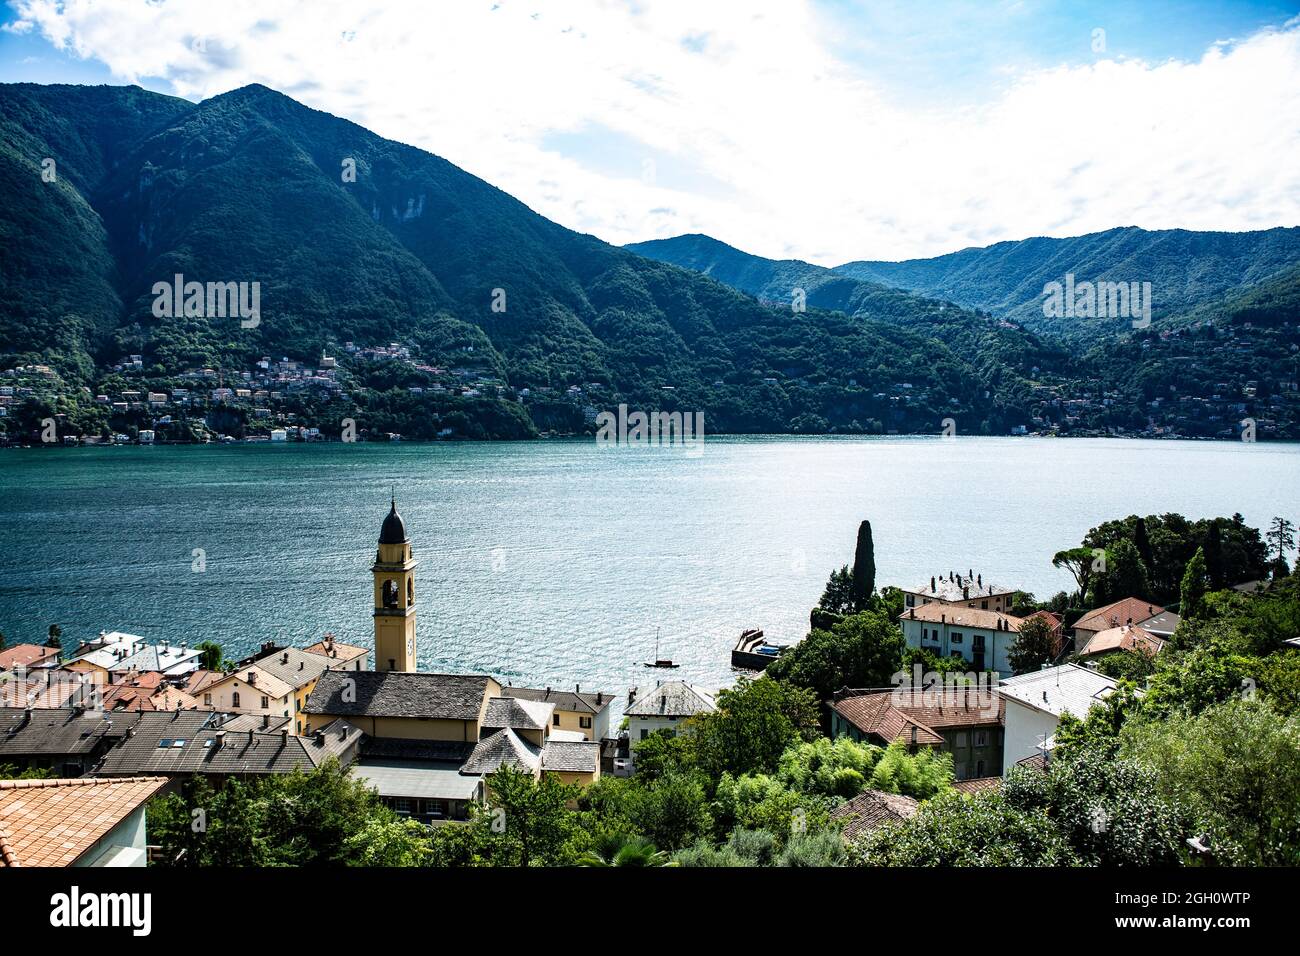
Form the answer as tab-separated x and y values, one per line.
864	567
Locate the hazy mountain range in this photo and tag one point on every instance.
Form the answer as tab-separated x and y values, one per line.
352	237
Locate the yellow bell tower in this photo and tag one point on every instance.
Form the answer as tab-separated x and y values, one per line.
394	573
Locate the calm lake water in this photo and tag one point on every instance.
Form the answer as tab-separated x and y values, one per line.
556	562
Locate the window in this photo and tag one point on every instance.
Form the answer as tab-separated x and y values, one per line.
911	600
266	702
644	733
555	720
584	723
164	742
961	739
981	738
207	700
956	637
234	699
984	605
979	768
178	743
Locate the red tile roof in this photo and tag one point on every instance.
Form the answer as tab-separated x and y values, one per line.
976	784
875	714
871	808
1123	638
1121	612
53	822
26	655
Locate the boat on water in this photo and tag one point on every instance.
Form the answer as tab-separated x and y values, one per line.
662	662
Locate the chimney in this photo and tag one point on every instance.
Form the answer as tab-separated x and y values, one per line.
343	731
284	737
600	697
965	593
320	738
979	580
266	721
932	587
301	665
577	688
252	678
914	735
284	658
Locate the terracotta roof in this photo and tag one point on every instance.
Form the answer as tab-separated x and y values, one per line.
201	680
337	651
1123	638
53	822
976	784
258	679
876	714
1053	620
26	655
871	808
294	667
962	617
1121	612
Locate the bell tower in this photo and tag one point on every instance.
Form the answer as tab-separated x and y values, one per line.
394	574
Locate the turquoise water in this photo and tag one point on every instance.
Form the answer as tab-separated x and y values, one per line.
555	562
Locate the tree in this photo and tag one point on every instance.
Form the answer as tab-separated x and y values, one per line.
863	650
864	568
210	656
1123	576
1238	766
622	850
1034	646
1143	544
1192	593
539	828
754	723
839	594
55	638
1079	562
1281	535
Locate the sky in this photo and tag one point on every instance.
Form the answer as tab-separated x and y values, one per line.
824	131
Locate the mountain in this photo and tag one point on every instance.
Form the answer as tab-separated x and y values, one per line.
514	322
1186	269
1202	372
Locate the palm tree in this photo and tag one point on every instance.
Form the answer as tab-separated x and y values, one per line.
625	851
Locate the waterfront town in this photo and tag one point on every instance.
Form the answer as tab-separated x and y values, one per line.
288	400
94	736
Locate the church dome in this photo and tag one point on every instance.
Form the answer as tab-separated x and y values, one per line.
394	529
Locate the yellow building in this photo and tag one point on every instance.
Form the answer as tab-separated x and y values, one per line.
394	599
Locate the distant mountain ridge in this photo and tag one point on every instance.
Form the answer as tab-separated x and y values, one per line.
1186	270
249	186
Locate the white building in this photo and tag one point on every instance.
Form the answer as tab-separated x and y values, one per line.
666	707
1036	701
983	639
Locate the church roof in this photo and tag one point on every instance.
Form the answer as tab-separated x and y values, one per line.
394	528
398	694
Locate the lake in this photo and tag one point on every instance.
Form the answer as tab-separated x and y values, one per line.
555	563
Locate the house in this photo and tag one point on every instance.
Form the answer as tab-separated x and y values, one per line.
871	809
983	639
1036	701
28	656
588	714
572	761
251	690
970	591
182	743
342	657
1055	628
965	721
68	740
300	670
103	653
83	822
1125	637
665	708
171	660
1127	611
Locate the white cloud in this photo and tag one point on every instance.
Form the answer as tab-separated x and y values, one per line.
756	133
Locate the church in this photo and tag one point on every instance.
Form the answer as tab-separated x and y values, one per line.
430	740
